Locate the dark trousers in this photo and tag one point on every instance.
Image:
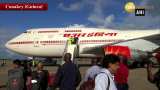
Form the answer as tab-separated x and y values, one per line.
122	86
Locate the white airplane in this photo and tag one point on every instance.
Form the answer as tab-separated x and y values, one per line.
50	42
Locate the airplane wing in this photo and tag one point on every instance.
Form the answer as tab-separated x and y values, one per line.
153	39
148	43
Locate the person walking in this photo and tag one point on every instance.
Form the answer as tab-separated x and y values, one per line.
105	79
121	76
40	78
68	76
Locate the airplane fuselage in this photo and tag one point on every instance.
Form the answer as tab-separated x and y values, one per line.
50	42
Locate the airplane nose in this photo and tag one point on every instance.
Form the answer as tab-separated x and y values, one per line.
13	44
11	47
7	45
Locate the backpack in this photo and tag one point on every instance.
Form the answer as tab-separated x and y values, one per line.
90	84
15	79
36	81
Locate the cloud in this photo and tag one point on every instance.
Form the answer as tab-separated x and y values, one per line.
81	4
103	23
149	21
94	18
99	18
72	7
109	21
141	22
96	14
155	5
77	26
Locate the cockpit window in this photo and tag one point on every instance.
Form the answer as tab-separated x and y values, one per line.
27	32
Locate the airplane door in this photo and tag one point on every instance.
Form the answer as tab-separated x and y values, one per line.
36	42
36	39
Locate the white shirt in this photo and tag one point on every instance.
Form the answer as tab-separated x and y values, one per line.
101	81
92	72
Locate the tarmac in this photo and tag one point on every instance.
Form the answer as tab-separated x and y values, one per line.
137	77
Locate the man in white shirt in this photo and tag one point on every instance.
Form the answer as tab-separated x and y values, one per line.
92	71
105	79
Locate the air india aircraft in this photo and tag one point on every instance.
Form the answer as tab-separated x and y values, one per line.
51	42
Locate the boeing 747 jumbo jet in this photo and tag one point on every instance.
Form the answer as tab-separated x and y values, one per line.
51	42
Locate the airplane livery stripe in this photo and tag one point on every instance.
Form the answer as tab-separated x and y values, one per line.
63	42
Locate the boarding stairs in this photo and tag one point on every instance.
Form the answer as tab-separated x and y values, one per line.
72	48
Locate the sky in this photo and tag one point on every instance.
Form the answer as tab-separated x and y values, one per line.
76	13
